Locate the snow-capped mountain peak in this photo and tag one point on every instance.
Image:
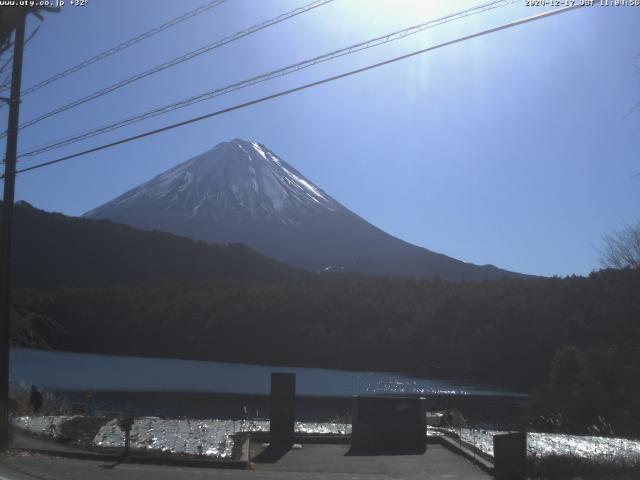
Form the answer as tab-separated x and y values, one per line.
240	191
235	180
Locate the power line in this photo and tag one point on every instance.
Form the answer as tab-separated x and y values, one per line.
6	64
299	88
399	34
124	45
10	59
183	58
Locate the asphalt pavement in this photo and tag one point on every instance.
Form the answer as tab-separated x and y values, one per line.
311	462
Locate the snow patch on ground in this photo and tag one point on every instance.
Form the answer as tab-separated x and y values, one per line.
545	444
211	437
195	437
45	425
215	437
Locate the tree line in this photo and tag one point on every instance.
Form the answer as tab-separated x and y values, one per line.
573	341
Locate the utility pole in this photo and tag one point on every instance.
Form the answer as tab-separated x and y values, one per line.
6	232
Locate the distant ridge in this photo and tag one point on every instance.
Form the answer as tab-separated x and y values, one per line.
53	250
242	192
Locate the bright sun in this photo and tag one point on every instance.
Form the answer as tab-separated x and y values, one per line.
389	13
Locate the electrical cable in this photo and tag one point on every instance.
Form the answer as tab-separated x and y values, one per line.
176	61
124	45
399	34
302	87
8	62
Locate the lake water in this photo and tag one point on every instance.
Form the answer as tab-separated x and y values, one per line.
77	371
133	385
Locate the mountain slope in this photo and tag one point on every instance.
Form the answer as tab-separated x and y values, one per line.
53	250
241	191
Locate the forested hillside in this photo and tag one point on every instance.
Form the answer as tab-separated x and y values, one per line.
582	333
53	250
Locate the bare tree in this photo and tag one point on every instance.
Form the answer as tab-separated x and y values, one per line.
27	329
621	249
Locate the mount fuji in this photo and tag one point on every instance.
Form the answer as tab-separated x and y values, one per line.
242	192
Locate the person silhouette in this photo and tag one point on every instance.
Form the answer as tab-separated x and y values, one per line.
35	400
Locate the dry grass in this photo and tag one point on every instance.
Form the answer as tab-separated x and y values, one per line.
53	403
18	404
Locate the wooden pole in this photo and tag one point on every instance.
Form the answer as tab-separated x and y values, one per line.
6	231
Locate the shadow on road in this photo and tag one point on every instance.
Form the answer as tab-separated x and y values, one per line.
387	451
113	465
271	454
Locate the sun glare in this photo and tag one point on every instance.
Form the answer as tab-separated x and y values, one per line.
380	15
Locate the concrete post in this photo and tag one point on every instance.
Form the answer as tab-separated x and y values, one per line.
283	412
510	456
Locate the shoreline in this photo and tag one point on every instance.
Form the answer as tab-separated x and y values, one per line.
496	410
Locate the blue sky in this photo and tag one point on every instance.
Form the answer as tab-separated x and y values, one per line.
514	149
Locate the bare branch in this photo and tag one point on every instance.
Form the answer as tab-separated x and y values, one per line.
621	249
26	328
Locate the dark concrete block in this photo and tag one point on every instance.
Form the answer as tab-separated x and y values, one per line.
283	411
388	424
510	456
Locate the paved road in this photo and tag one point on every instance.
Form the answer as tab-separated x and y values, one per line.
313	462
